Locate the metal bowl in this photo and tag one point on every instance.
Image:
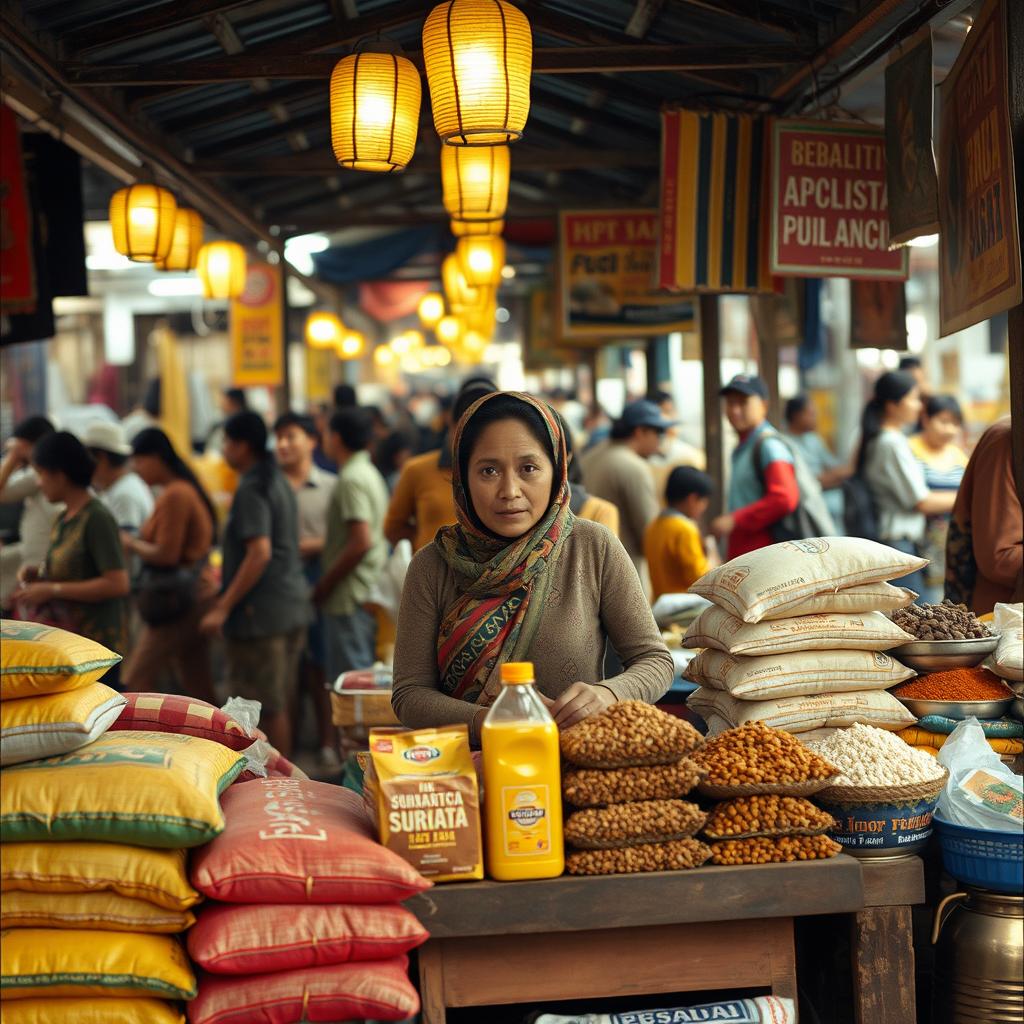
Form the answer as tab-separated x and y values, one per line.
959	709
1017	708
939	655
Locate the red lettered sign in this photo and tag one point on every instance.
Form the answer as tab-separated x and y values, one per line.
830	210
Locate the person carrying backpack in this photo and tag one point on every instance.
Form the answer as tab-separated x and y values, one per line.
773	496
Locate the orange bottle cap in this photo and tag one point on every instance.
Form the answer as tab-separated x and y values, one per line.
517	672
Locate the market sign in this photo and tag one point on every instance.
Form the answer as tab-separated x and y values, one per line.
979	248
17	282
830	212
909	157
714	218
606	279
257	329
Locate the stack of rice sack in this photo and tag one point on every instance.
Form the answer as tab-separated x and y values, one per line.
94	874
307	923
626	771
762	777
797	636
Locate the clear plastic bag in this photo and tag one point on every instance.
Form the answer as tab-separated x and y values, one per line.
981	792
247	714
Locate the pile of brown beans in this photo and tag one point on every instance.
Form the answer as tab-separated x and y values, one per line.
945	621
629	734
675	855
595	787
756	754
652	821
774	815
779	850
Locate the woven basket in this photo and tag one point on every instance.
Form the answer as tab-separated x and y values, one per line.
762	789
857	795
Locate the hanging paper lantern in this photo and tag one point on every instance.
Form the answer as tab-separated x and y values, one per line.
431	309
375	111
457	289
352	344
479	57
474	182
142	222
482	258
324	330
448	330
185	243
222	269
462	228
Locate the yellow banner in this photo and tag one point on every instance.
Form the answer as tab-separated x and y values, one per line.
318	373
257	329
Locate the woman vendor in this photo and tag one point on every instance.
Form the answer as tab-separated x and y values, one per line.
520	578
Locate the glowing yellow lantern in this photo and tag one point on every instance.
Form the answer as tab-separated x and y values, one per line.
474	181
383	357
352	344
324	330
457	289
222	269
479	57
448	330
481	258
375	111
185	243
431	309
142	219
442	357
462	228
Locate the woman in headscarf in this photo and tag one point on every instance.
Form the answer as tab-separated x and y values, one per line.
520	578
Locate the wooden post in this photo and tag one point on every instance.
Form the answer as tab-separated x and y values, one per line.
1015	344
710	347
286	377
768	350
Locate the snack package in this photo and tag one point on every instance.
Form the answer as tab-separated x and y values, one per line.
423	788
762	1010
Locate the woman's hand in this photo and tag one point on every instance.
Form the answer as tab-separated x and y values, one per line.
128	542
32	595
212	623
579	701
28	574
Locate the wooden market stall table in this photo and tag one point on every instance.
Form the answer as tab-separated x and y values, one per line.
681	931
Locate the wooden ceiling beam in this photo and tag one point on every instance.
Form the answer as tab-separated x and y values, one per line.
645	13
524	158
569	60
260	101
764	18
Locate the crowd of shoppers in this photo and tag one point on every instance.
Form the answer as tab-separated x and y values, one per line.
276	596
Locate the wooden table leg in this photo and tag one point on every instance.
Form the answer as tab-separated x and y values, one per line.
779	933
432	983
882	948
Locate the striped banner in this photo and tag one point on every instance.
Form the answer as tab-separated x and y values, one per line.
714	217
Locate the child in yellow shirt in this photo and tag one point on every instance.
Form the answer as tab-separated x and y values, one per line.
673	545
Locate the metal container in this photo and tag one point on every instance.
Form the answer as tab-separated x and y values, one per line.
883	829
1017	708
940	655
961	709
979	959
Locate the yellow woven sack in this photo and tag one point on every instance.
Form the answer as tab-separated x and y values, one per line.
158	876
49	962
35	727
37	659
91	1011
141	788
106	911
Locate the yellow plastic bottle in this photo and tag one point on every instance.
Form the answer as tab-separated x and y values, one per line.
522	782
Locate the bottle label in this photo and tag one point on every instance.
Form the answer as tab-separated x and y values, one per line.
526	818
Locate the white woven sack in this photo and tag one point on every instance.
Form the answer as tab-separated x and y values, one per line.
723	631
776	580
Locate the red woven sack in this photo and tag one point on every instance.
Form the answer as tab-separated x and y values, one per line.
296	841
186	716
380	991
252	939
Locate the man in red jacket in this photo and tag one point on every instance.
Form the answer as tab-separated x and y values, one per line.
757	500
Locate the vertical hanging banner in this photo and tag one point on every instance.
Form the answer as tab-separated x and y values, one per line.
979	247
909	156
606	279
878	315
319	362
830	211
713	216
17	281
257	330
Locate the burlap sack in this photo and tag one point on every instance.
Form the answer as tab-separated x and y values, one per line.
869	631
796	675
801	714
773	581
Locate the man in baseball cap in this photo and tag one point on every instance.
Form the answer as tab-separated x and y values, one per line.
129	500
761	492
617	471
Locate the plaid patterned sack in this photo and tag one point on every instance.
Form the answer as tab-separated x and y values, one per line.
186	716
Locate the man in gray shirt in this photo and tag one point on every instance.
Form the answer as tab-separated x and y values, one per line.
263	608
